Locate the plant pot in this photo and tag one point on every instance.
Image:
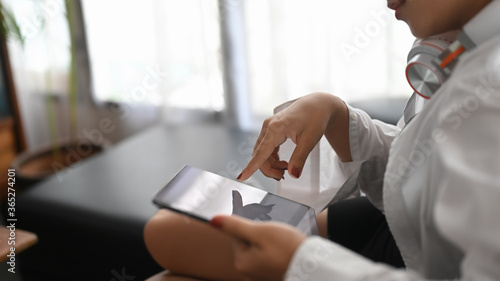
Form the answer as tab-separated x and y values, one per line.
33	166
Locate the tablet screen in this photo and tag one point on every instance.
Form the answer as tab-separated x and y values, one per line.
203	195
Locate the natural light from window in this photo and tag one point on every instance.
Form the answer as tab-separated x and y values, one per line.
168	53
156	52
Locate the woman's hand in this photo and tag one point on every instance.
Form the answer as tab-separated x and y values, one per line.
262	250
305	121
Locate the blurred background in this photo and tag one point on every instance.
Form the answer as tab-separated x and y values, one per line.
149	61
164	83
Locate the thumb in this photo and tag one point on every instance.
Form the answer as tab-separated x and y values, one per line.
235	226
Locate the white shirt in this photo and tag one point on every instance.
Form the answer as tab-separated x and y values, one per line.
441	189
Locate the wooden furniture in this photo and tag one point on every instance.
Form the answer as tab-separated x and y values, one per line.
7	88
12	140
8	152
23	239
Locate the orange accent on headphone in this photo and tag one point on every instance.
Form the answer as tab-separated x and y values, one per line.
452	56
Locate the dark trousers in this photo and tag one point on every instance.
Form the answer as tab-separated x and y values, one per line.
357	225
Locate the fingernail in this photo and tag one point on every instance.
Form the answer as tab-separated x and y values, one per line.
217	222
239	177
296	172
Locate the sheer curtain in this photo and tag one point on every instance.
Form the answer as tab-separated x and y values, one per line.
159	52
169	54
354	49
40	66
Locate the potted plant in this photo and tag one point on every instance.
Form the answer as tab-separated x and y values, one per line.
34	165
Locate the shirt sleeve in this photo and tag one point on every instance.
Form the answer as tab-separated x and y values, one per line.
319	259
370	141
368	138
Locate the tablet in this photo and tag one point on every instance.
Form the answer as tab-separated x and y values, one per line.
202	195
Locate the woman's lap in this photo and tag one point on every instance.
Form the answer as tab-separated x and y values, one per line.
357	225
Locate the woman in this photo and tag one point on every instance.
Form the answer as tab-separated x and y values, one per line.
440	188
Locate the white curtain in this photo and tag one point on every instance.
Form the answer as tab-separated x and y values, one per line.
40	67
168	54
155	51
354	49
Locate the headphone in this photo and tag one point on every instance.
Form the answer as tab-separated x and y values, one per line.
432	60
422	73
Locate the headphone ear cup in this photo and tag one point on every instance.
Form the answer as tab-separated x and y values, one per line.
422	74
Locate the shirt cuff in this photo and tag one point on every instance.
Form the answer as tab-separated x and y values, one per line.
347	168
354	140
320	259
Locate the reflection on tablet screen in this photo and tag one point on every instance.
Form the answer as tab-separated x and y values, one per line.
203	195
253	211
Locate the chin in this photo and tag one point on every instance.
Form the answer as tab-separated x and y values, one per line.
419	34
424	32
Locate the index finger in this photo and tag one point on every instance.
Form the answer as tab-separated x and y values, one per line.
262	152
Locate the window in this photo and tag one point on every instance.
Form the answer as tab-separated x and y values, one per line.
155	52
44	59
354	49
168	53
